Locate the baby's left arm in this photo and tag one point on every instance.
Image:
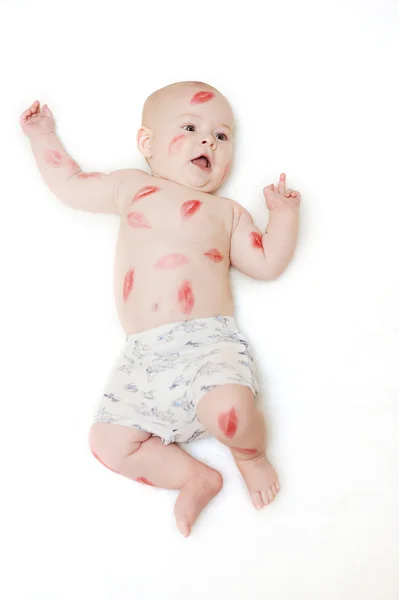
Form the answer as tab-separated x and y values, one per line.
265	256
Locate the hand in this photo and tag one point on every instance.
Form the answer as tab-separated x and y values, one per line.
34	122
280	198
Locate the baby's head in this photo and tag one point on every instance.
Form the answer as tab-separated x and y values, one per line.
182	122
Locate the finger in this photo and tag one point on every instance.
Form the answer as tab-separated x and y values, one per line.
288	192
281	183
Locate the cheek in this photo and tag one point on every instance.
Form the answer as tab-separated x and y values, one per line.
176	144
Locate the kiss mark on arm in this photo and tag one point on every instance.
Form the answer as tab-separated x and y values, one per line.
144	480
256	239
169	261
186	297
138	220
214	255
189	208
95	175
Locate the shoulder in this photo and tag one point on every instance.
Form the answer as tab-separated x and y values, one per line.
237	212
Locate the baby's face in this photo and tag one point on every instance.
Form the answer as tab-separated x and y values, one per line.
188	124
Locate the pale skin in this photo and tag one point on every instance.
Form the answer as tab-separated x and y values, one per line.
176	242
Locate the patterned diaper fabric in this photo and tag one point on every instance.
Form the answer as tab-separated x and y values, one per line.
162	373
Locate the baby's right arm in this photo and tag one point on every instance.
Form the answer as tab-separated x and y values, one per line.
93	192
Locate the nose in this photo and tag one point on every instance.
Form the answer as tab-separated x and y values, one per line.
209	139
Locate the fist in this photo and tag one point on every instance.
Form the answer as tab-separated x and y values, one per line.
280	198
34	122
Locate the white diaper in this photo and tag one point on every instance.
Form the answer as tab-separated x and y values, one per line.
162	373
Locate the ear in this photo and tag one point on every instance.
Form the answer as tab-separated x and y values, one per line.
144	139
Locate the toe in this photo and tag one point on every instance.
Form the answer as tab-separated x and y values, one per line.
277	485
270	493
257	500
265	497
275	490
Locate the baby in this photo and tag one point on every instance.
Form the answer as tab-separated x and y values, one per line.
185	369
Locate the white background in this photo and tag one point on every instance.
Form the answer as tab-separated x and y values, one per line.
315	93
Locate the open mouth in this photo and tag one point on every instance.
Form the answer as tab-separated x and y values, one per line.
202	162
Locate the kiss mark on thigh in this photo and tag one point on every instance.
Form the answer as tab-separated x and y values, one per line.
228	422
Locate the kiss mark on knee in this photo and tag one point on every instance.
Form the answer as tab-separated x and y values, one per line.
103	463
144	480
247	451
201	97
186	297
228	423
128	284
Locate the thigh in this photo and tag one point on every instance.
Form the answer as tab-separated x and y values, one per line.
115	441
224	398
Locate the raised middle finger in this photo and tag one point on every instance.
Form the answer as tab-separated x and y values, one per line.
281	183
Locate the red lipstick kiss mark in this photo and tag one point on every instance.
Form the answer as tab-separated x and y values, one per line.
201	97
244	450
144	480
54	158
174	147
228	423
145	191
189	208
256	239
89	175
214	255
99	459
137	220
128	284
186	297
169	261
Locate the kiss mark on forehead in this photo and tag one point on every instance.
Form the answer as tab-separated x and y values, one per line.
201	97
189	208
128	284
186	297
145	191
171	260
176	144
137	220
256	239
214	255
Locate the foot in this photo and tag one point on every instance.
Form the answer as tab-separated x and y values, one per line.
193	498
261	479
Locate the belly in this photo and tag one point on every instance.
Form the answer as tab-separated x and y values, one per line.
154	286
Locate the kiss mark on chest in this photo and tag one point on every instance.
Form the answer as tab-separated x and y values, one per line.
214	255
169	261
186	297
189	208
145	191
138	220
128	284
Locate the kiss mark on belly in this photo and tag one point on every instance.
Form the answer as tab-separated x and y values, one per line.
247	451
169	261
145	191
189	208
214	255
137	220
256	239
201	97
128	284
144	480
186	297
228	423
95	175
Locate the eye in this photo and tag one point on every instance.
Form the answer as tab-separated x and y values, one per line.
223	134
184	127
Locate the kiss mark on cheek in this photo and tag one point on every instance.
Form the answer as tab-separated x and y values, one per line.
145	191
214	255
176	144
256	239
186	297
99	460
54	158
247	451
94	175
138	220
128	284
189	208
228	423
201	97
144	480
169	261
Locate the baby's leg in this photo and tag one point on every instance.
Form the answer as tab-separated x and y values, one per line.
229	413
144	458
